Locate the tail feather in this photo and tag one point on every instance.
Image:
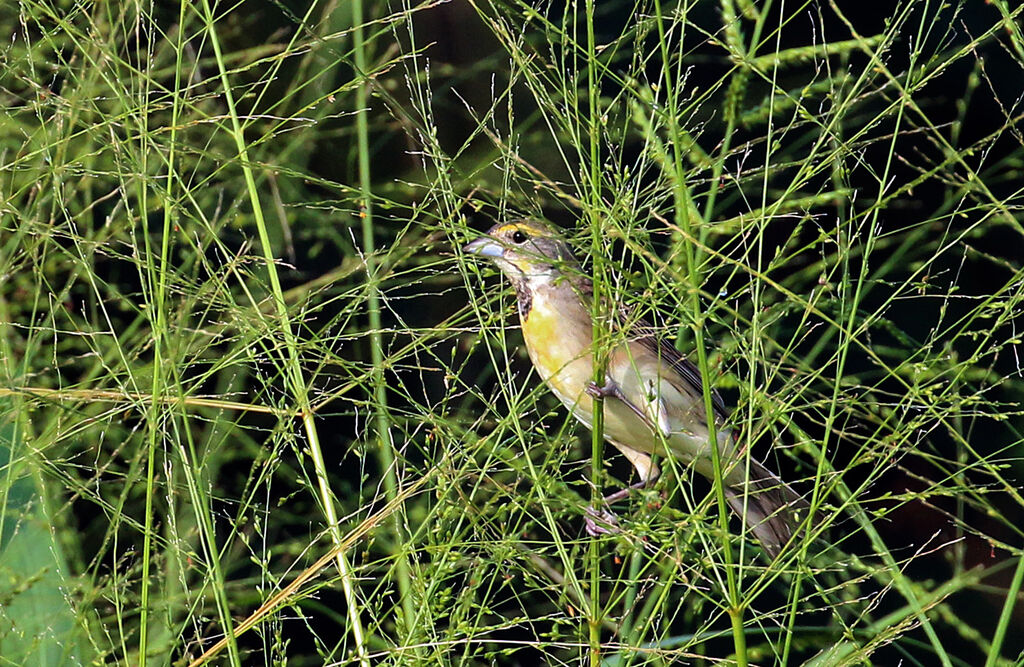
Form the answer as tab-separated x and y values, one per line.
769	507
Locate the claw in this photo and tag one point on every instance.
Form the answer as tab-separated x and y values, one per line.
604	522
608	390
601	522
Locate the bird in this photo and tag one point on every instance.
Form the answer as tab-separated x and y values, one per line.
653	399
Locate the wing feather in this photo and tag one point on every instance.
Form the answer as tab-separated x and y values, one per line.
642	332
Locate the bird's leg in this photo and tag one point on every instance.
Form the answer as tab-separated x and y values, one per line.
599	522
610	389
624	492
603	522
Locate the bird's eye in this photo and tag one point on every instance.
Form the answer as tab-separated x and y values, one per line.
518	237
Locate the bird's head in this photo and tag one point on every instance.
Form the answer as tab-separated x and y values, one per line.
526	250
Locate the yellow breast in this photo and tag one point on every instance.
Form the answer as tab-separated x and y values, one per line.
559	338
557	332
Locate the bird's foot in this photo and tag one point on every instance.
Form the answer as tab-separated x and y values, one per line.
608	390
604	522
601	522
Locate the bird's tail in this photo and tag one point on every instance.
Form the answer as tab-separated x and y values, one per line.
769	507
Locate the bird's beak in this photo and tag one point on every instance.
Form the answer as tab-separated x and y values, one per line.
485	246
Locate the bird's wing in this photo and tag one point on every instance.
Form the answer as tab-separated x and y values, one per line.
641	332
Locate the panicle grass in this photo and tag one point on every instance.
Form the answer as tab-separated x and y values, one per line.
260	408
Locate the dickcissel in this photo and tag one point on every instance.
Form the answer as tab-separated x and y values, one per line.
653	397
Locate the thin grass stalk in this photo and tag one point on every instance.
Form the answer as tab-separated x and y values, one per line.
293	367
154	413
200	502
290	593
734	603
385	447
1006	615
853	293
733	97
627	625
757	332
593	180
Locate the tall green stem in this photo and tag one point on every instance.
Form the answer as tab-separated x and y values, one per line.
593	179
294	373
385	450
693	258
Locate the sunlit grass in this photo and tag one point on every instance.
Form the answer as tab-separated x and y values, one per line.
261	408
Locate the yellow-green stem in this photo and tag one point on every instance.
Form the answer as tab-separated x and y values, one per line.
593	180
293	367
693	258
385	451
